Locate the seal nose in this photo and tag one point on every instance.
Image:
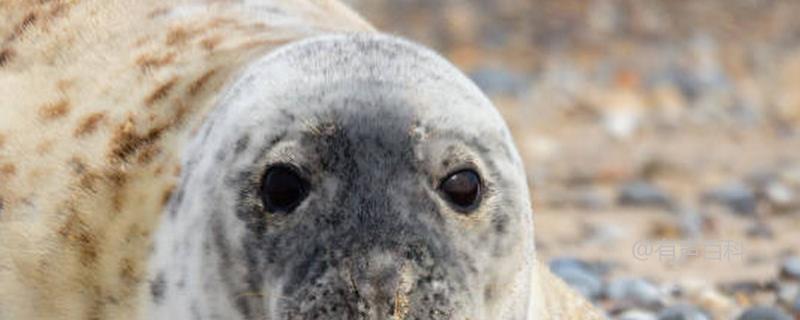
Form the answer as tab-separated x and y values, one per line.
382	282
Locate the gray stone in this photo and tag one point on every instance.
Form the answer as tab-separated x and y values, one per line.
760	230
591	199
764	313
738	197
790	268
603	234
643	194
579	275
690	223
787	292
634	291
683	312
779	194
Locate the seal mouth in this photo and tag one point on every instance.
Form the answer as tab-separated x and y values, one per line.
354	290
376	286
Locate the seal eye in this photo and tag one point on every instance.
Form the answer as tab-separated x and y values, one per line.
282	189
462	189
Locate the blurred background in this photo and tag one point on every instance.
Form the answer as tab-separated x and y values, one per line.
661	139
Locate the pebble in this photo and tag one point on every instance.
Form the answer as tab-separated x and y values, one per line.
637	315
622	123
779	195
787	292
591	199
790	268
738	197
760	230
585	198
764	313
579	275
634	291
746	287
603	234
599	269
690	223
683	312
643	194
776	189
712	300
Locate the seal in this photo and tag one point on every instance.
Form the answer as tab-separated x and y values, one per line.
272	159
372	180
382	138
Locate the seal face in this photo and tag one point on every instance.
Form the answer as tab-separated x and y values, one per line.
347	177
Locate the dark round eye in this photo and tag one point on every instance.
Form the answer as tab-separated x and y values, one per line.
282	189
462	189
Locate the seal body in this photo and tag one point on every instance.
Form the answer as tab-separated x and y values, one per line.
134	136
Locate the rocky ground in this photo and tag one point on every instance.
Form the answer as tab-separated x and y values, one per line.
662	141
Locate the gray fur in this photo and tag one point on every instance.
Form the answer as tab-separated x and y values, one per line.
374	123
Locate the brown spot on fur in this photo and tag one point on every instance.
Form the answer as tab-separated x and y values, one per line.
58	10
80	236
148	153
7	170
54	110
89	124
157	13
77	165
126	142
211	42
89	181
221	21
20	28
2	141
148	62
6	55
167	194
198	84
117	178
161	92
180	113
116	201
178	35
127	272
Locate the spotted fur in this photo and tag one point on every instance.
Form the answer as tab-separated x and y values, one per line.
112	112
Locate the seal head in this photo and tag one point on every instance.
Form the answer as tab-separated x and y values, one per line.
348	177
